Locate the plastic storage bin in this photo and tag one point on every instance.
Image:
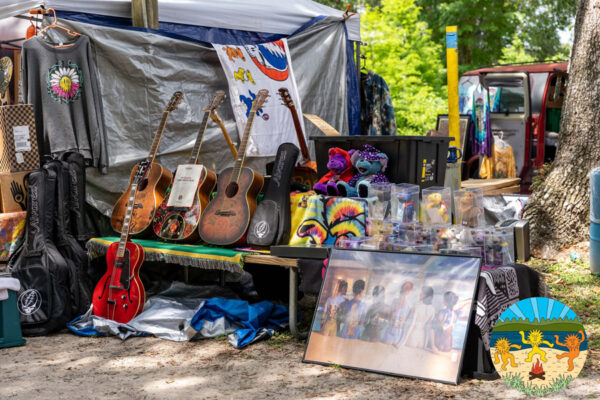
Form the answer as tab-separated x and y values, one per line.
420	160
10	324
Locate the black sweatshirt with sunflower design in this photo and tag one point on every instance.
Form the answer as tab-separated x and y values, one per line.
62	84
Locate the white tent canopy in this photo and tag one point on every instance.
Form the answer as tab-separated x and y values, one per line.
269	16
10	8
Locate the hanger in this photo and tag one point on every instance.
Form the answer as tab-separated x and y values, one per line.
54	25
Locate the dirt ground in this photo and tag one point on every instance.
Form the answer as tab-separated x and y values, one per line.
66	366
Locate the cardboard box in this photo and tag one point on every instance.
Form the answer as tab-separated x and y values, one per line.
18	139
13	191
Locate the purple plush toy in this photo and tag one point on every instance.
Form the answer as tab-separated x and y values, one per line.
370	164
340	170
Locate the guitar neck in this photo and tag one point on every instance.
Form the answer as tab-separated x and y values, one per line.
126	222
300	134
198	145
241	152
157	137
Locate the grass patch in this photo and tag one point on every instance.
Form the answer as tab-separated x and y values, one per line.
572	284
280	338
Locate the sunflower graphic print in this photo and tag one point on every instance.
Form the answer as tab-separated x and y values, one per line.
64	82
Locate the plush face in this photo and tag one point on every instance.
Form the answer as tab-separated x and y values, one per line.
435	198
337	163
366	167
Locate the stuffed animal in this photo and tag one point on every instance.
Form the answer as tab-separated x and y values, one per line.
370	164
437	212
470	212
340	169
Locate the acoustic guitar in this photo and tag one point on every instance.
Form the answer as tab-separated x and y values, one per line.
119	294
226	219
151	190
179	213
305	173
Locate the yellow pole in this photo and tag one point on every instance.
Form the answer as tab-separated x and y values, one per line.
452	67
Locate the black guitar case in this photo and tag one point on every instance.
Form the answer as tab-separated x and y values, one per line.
75	256
76	198
271	222
44	301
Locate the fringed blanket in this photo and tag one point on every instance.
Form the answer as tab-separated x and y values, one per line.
183	254
12	228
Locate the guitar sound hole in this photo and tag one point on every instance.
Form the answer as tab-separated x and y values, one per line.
231	189
142	185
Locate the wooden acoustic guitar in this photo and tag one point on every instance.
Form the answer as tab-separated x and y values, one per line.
305	172
178	215
151	190
119	294
226	219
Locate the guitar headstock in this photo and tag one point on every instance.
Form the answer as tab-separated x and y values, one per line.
261	98
215	101
175	100
141	171
286	98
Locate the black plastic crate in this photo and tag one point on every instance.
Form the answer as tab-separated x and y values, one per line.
420	160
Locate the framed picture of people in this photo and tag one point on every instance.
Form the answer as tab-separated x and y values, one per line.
395	313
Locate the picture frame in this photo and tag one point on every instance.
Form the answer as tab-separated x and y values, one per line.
396	313
442	126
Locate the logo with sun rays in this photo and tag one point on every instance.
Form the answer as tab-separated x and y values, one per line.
538	346
64	82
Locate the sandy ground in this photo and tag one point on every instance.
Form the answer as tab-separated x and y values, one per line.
66	366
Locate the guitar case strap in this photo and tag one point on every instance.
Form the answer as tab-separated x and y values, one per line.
44	300
76	198
271	222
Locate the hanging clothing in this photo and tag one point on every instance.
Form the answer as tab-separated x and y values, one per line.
481	129
62	84
377	112
500	165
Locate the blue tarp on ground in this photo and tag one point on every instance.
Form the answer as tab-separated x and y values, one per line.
185	318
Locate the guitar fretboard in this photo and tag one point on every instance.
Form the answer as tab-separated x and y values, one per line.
198	145
239	161
126	222
157	137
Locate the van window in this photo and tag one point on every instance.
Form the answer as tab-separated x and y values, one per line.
507	99
537	83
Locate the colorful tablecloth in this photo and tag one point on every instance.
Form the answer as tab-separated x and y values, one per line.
12	229
206	257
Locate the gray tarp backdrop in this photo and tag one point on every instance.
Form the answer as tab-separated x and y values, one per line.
139	72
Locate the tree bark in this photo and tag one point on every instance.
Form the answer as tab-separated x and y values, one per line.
558	209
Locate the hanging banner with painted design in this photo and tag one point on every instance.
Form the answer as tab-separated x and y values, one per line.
249	69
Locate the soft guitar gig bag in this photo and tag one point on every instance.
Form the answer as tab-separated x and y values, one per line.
44	301
271	222
76	197
76	257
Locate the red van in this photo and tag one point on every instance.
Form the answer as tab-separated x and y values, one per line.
526	115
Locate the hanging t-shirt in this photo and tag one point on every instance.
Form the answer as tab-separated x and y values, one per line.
62	84
481	131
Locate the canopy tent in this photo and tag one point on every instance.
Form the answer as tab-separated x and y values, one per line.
282	17
140	68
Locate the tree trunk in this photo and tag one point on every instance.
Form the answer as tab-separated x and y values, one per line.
558	209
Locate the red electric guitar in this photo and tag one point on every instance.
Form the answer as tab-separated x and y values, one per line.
177	219
120	295
305	172
227	217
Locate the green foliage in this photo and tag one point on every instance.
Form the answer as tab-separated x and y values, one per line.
400	49
485	27
514	380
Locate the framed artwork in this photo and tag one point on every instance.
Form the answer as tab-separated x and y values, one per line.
443	127
396	313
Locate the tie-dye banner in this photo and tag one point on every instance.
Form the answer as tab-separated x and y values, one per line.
250	68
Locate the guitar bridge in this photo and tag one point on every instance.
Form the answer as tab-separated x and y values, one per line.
116	287
225	213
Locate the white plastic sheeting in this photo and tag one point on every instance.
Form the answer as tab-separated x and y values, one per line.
268	16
